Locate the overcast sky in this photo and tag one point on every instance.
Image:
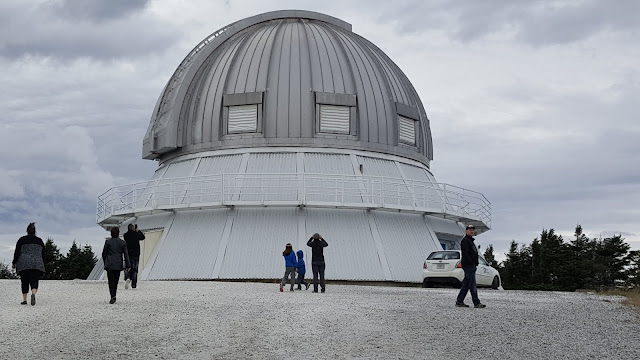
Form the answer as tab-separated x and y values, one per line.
534	104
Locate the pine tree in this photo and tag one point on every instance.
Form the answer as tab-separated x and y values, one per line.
490	258
6	272
78	263
51	261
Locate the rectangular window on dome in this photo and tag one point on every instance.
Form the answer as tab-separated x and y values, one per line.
335	119
407	130
243	119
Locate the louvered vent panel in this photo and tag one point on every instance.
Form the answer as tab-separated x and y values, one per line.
407	130
334	119
243	118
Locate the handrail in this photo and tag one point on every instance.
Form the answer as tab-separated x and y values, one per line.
261	189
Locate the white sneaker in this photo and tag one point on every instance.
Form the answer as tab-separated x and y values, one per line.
126	284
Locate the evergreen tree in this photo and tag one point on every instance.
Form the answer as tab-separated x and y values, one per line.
613	258
78	263
51	261
6	272
490	258
633	272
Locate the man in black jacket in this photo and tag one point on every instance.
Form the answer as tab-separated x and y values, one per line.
317	244
132	237
469	264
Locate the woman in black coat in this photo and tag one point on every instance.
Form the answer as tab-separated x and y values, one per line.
28	260
112	254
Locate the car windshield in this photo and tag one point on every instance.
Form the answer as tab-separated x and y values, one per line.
444	255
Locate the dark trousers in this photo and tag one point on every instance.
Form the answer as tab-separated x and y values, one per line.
469	284
318	269
301	281
133	273
113	276
29	278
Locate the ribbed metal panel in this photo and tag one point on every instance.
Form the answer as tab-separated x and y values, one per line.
379	167
269	163
334	119
316	163
330	164
407	242
407	129
190	246
98	269
256	243
150	221
414	173
445	226
351	253
243	118
228	164
180	169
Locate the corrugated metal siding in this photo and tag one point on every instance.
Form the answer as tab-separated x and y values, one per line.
413	172
329	164
396	191
180	169
98	269
269	163
351	253
190	246
445	226
334	119
228	164
407	242
243	118
256	243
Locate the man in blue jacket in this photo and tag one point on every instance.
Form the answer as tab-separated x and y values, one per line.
469	264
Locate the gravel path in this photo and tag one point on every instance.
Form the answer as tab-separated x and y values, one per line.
218	320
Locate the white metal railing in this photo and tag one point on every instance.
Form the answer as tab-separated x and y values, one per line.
294	189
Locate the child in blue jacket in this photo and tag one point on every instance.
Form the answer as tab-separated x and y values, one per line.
290	266
301	268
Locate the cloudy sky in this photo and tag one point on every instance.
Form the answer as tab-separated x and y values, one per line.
534	104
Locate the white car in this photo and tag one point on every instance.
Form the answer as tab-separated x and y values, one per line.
444	267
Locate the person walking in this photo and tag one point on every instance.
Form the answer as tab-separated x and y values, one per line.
317	245
112	253
301	269
132	237
469	264
290	266
28	260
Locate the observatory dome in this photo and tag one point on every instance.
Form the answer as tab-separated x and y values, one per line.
288	78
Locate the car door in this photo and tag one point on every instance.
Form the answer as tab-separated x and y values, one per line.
483	273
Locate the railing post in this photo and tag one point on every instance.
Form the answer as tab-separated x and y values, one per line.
222	189
445	200
342	190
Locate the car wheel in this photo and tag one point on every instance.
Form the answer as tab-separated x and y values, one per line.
426	284
496	283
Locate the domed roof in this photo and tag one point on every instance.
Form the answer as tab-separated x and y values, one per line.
288	78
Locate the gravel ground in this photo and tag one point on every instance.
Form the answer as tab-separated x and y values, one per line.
218	320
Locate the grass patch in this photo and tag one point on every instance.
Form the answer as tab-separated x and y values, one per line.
632	297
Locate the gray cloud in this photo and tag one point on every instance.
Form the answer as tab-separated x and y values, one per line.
533	22
70	29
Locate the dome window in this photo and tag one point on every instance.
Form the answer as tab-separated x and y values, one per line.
407	131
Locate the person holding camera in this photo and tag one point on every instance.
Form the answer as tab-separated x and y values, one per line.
317	244
132	237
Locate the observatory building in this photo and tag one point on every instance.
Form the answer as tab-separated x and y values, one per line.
279	126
